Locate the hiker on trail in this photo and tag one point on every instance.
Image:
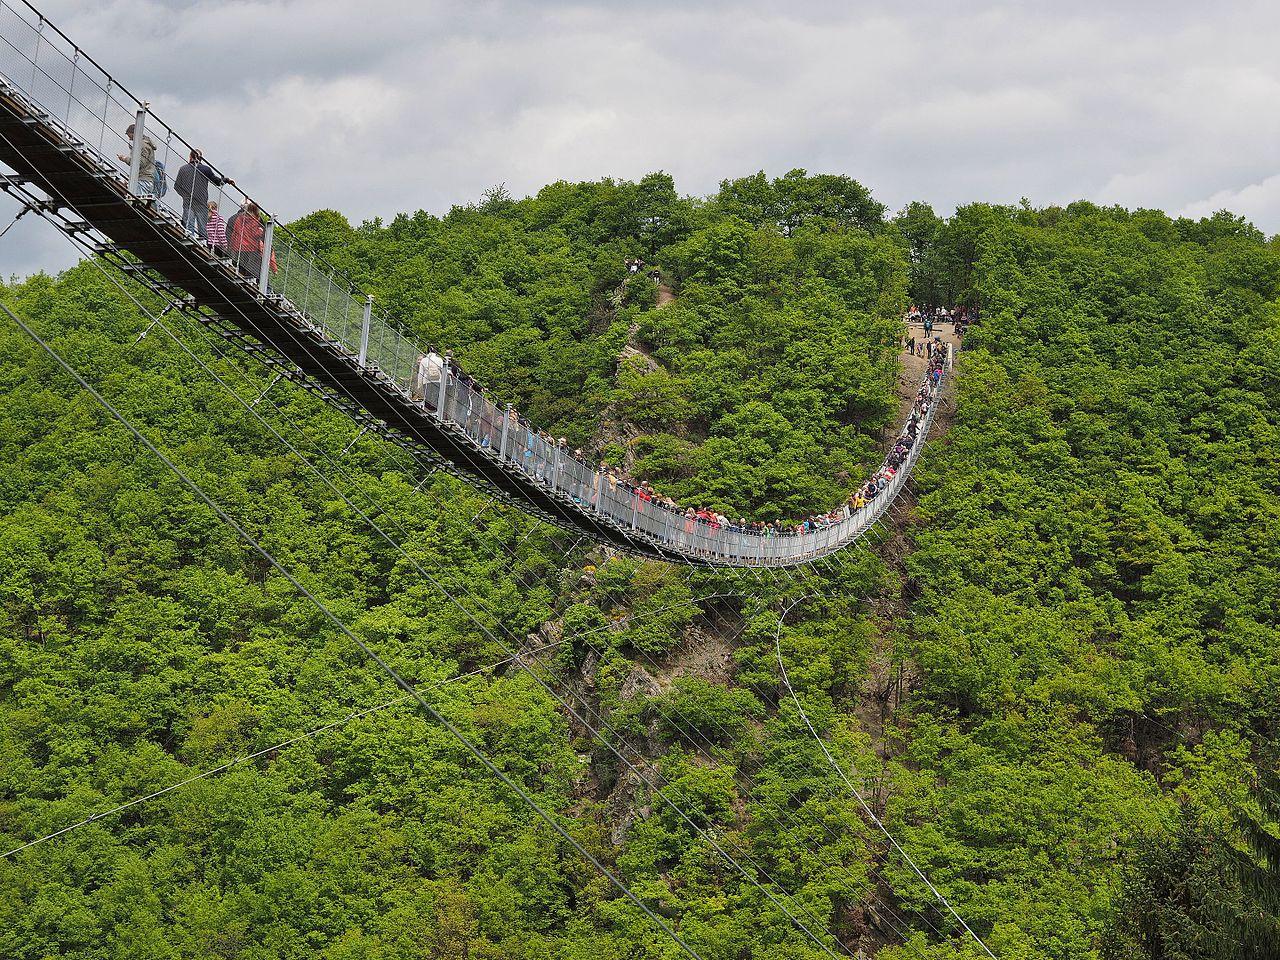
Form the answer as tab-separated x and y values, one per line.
911	345
147	166
215	230
192	185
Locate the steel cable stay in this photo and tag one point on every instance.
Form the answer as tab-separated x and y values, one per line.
790	575
409	689
938	905
910	595
895	921
864	598
871	814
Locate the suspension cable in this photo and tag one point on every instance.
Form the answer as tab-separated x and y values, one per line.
871	814
244	758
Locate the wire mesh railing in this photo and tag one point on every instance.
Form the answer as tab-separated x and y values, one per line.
121	141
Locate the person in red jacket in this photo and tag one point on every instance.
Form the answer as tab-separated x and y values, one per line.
245	235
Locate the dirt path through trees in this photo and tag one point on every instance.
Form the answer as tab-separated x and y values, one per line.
913	367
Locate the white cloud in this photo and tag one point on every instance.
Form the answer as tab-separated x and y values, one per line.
384	106
1262	199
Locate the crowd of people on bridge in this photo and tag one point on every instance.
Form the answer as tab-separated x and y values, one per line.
616	481
241	240
549	461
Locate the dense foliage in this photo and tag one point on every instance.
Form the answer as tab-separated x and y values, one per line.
1058	700
761	390
1096	634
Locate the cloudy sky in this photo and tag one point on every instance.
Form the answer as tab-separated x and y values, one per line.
380	106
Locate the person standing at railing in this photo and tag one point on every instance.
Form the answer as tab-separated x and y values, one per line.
245	237
146	185
192	185
430	373
216	230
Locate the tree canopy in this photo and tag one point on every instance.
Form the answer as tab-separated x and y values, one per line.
1053	680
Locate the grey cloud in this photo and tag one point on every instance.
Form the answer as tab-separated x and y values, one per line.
384	105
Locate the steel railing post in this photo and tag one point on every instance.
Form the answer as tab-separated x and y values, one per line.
264	273
445	366
506	423
364	330
135	151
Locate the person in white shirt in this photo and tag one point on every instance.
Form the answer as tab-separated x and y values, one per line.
430	372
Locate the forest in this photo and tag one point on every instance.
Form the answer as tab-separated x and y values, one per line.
1051	673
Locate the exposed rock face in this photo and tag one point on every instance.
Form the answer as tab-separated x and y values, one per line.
639	682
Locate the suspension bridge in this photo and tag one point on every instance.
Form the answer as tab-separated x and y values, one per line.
63	123
62	130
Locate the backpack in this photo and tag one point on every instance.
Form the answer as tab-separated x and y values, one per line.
162	182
